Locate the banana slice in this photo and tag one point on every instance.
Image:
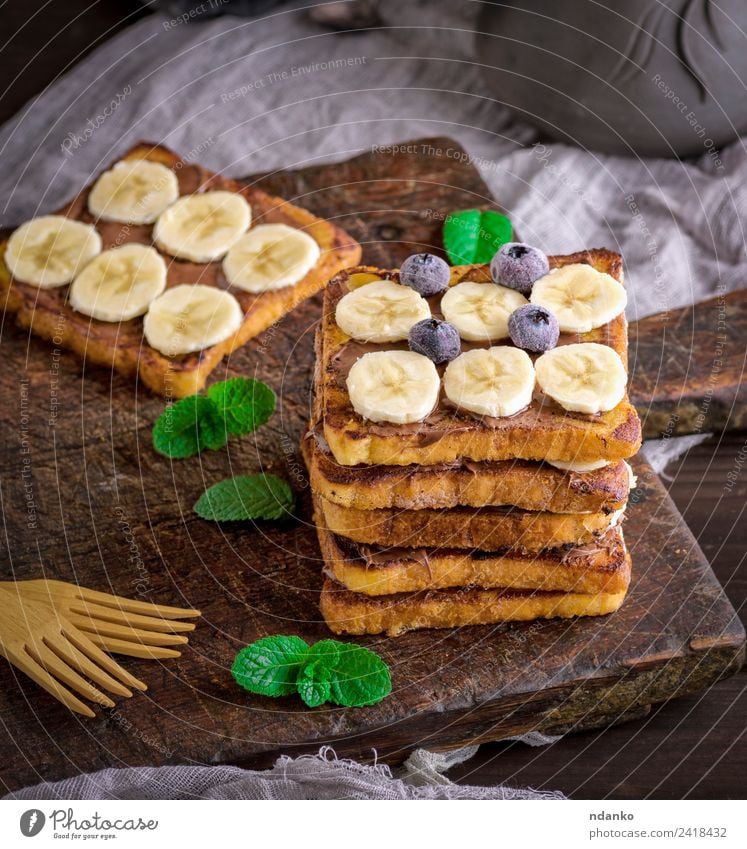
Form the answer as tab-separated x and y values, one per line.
382	311
581	297
393	386
119	284
631	475
583	378
190	318
49	251
202	227
579	467
490	381
270	256
133	192
480	311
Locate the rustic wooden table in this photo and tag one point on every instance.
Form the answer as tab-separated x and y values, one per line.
692	747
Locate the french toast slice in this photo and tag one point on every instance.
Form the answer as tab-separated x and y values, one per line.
464	527
543	431
346	612
600	567
121	346
521	483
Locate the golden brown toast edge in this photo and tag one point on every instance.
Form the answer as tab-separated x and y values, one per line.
52	319
463	527
564	436
346	612
596	568
525	484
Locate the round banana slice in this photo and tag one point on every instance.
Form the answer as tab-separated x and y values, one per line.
480	311
49	251
581	297
490	381
393	386
202	227
119	284
133	192
579	467
382	311
270	256
190	318
582	378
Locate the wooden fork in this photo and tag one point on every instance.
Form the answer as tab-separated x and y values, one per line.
114	623
54	653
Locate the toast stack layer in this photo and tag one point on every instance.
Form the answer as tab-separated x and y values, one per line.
459	519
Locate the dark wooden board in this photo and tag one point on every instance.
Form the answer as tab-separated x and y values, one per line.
688	367
85	499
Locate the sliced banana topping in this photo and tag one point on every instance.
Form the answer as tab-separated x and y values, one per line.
581	297
190	318
382	311
49	251
631	475
617	516
119	284
133	192
490	381
202	227
393	386
480	311
591	466
582	378
270	256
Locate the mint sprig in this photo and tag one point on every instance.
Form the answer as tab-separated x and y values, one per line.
244	497
232	407
243	404
329	671
187	427
474	235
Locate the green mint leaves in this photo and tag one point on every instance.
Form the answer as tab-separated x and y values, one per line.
242	403
232	408
187	427
329	671
246	497
270	666
474	235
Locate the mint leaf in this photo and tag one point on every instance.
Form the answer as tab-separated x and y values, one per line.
314	684
246	497
474	235
270	666
244	404
326	653
187	427
361	677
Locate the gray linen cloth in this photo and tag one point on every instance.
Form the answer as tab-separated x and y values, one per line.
243	96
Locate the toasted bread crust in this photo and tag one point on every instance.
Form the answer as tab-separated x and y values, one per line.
346	612
542	431
121	346
463	527
520	483
382	570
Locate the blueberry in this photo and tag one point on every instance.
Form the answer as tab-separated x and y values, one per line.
425	273
533	328
437	340
517	266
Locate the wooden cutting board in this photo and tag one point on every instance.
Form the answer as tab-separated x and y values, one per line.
86	499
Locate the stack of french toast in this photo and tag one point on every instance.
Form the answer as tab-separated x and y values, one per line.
469	442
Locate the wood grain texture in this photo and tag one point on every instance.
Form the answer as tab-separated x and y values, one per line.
86	499
688	368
